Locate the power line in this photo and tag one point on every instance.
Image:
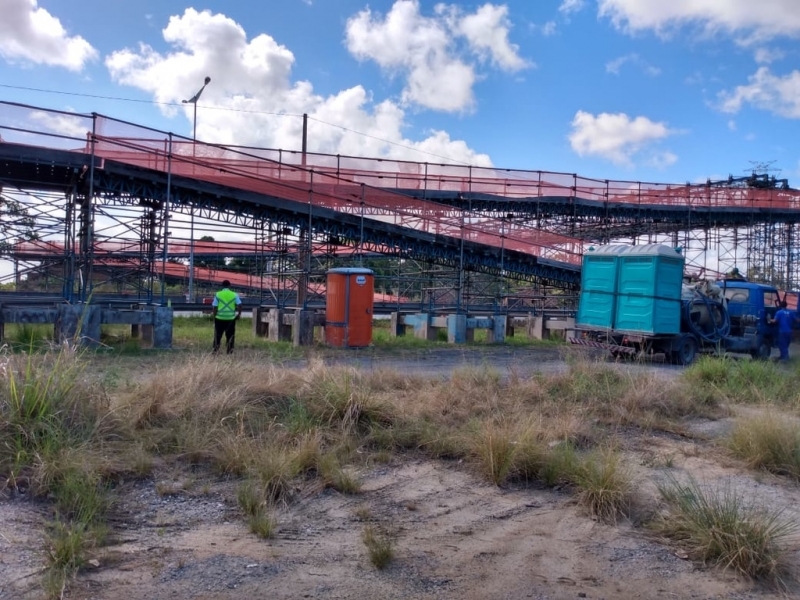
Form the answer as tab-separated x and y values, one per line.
398	144
230	109
154	102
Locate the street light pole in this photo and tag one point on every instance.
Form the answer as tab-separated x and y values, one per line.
193	100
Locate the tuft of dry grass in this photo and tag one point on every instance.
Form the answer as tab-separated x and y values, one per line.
717	526
379	544
286	432
258	509
605	486
496	446
768	442
335	476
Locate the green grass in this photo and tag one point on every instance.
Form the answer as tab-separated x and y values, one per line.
742	381
29	336
196	334
69	545
719	527
50	419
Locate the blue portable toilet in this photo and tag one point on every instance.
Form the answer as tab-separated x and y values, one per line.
648	299
599	272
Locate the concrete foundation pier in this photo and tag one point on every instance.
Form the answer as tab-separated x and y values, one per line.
303	330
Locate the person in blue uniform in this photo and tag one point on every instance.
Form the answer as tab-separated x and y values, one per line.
785	319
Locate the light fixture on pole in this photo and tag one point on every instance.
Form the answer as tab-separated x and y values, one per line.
193	100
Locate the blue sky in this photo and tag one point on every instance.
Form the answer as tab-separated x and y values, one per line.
614	89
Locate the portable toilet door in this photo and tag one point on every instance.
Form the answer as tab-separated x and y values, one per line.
598	297
349	300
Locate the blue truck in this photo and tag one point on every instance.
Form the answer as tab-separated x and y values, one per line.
635	301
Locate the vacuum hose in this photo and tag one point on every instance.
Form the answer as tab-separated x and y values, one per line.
719	318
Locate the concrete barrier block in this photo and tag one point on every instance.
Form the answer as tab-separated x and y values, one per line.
397	325
457	329
496	334
303	330
78	323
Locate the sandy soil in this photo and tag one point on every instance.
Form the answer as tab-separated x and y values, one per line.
456	537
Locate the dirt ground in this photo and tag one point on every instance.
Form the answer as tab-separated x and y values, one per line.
456	536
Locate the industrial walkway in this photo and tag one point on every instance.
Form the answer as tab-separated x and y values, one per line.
467	218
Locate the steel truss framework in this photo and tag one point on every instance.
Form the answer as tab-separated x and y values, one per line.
451	247
160	197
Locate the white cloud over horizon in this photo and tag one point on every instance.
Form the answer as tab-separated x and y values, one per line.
440	75
768	20
766	91
568	7
766	56
620	138
256	102
29	33
615	66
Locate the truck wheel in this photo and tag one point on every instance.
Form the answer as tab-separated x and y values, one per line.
762	352
685	352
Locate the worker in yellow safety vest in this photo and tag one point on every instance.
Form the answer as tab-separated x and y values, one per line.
227	310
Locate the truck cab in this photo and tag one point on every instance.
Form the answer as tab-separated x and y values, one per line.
751	307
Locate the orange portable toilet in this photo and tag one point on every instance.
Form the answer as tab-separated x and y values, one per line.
348	307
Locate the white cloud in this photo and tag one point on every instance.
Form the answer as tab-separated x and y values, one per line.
615	66
766	20
252	100
571	6
425	49
780	95
486	32
30	33
765	56
662	160
618	138
732	125
76	127
549	29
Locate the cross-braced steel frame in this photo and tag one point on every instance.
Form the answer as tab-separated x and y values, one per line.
487	243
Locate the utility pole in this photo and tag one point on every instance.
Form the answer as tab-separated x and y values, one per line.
193	100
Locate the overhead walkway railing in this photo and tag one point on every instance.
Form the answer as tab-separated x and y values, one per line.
340	173
42	249
256	170
59	129
372	187
249	170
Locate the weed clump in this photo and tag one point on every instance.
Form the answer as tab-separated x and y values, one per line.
258	508
768	442
719	527
380	546
605	486
51	419
740	381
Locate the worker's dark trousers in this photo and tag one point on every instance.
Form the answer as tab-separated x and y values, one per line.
228	327
784	338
